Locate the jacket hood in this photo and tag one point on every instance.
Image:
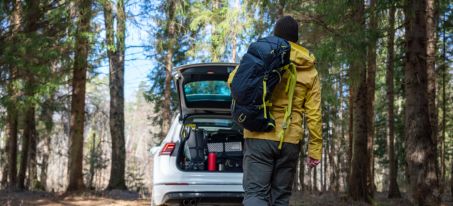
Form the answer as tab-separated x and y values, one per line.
301	57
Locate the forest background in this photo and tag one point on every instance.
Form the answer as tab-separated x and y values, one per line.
87	84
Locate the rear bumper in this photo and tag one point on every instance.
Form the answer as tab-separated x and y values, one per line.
168	194
204	197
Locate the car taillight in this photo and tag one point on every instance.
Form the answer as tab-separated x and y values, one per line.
167	149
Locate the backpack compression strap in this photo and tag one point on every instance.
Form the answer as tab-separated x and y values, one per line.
290	86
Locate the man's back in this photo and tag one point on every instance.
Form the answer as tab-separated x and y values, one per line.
307	96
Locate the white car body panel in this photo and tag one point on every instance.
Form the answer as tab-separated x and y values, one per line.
168	178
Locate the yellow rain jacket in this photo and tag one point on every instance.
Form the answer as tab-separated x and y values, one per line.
306	99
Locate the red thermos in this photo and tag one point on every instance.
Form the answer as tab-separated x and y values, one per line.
212	161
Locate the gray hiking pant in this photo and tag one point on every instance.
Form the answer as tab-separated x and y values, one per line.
268	172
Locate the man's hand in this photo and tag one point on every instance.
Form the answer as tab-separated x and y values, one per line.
312	162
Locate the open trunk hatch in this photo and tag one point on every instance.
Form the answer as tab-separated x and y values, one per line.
203	89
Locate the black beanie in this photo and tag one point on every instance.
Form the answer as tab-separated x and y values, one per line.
287	28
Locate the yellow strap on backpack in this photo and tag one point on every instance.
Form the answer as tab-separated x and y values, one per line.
290	86
231	76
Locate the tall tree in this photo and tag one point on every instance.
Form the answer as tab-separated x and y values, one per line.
431	24
82	48
444	106
394	191
371	86
420	147
170	30
12	111
28	151
451	179
360	164
116	50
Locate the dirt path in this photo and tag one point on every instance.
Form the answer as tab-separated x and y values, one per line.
133	199
55	199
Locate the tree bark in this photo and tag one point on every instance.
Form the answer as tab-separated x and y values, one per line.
116	82
350	130
331	152
371	86
327	153
394	191
431	24
360	164
451	179
78	96
12	124
33	165
444	109
340	163
29	135
11	110
420	147
171	31
28	152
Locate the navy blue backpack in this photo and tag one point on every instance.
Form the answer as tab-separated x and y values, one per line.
253	81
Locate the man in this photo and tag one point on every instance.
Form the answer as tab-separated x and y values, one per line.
269	171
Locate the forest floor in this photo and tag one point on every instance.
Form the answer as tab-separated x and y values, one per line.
133	199
82	199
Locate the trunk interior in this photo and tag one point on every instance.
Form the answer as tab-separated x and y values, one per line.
210	146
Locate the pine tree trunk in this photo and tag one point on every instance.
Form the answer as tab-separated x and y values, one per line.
116	77
431	71
420	148
28	152
333	175
23	157
32	164
326	152
78	96
360	164
28	137
394	191
451	179
444	110
12	124
166	107
11	109
350	131
340	163
359	167
371	86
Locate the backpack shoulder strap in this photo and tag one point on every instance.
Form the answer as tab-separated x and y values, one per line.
231	76
290	87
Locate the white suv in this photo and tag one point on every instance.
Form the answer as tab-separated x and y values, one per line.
200	160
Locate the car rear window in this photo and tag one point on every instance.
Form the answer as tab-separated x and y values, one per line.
212	90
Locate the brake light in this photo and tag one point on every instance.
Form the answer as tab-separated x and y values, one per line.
168	149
